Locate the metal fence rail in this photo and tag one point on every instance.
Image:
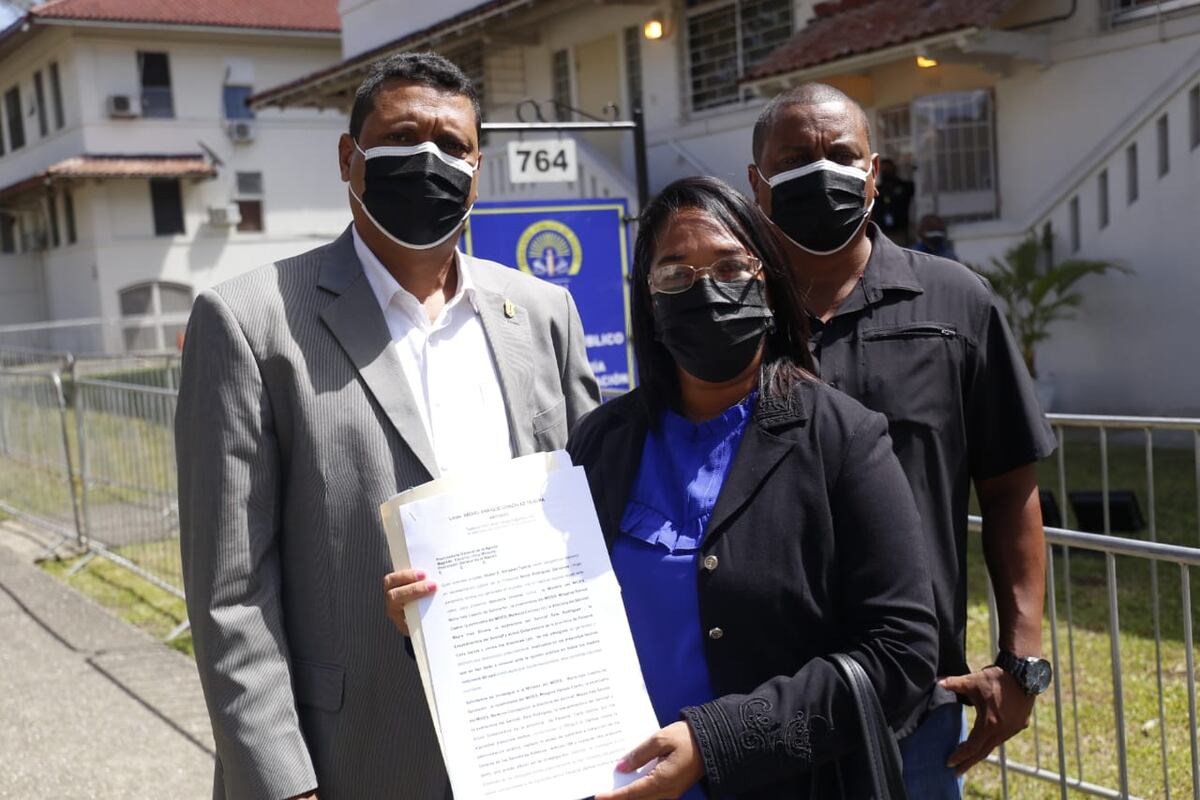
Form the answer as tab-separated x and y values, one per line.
127	475
26	360
98	335
37	474
147	369
1087	444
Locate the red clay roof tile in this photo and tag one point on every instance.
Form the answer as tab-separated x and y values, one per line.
298	15
851	27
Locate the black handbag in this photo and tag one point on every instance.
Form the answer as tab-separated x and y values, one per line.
874	770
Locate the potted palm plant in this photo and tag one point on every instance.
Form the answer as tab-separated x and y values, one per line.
1037	292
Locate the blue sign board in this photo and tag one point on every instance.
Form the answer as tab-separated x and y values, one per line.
580	245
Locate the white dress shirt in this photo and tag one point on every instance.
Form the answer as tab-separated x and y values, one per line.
448	365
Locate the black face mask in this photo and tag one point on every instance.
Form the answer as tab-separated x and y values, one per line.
713	330
417	196
821	205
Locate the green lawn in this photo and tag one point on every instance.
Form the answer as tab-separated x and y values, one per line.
131	491
135	600
1092	691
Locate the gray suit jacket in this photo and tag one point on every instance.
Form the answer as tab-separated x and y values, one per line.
294	423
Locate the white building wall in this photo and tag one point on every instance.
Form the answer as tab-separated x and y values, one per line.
1126	351
304	201
1130	350
128	252
1047	119
17	69
370	23
21	295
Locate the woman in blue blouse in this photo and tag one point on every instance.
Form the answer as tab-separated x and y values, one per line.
758	520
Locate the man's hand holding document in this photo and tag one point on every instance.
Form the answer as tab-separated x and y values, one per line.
524	650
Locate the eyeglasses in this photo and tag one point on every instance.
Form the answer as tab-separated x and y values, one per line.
677	278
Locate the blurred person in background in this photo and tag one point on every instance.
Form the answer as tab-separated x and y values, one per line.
894	203
932	238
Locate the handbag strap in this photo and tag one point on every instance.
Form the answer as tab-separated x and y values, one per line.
883	755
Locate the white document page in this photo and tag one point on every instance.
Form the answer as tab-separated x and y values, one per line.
532	677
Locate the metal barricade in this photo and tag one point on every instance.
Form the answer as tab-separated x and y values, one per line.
37	482
1120	689
92	459
26	360
159	370
127	475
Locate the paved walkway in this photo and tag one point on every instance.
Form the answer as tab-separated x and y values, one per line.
90	707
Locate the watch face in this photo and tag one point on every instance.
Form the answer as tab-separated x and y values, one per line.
1038	675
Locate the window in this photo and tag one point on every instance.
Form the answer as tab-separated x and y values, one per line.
235	103
1073	211
69	217
16	124
1164	146
137	301
153	300
894	136
633	66
725	39
8	233
1131	174
249	201
1116	12
56	96
1194	116
954	150
560	71
1102	198
174	298
39	96
167	200
155	72
251	212
250	183
52	219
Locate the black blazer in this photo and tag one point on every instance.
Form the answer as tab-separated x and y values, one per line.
814	547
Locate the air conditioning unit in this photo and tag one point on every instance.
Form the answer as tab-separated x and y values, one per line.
224	216
240	130
123	106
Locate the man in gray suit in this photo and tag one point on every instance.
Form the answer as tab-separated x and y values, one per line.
314	389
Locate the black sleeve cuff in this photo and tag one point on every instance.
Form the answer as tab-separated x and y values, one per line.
715	736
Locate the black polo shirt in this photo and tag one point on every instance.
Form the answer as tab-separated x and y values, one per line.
922	340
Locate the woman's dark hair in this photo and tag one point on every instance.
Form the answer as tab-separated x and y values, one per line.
786	358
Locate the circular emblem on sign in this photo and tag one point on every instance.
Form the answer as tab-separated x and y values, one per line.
549	249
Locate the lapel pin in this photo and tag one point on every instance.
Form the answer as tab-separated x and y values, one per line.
510	310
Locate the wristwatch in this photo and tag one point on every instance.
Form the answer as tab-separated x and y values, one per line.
1032	674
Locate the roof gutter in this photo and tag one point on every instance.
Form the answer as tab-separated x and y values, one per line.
185	28
279	96
20	25
861	61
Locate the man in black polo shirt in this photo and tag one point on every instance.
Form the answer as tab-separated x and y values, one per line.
920	339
